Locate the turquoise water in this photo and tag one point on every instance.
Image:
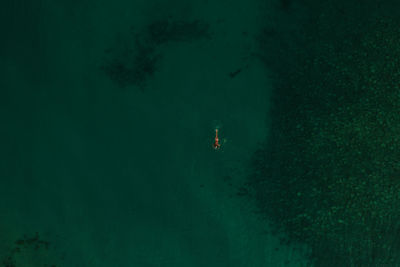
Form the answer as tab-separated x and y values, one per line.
110	175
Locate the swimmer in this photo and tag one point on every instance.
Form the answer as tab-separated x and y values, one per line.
216	144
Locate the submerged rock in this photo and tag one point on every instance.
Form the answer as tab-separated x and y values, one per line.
329	175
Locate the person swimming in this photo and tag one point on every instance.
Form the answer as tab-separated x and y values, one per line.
216	144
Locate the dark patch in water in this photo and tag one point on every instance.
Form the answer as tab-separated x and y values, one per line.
134	61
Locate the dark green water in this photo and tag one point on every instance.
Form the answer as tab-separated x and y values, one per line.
111	175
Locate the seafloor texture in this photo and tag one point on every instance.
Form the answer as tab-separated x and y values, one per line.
329	174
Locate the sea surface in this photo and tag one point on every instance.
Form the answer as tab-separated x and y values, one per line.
107	127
